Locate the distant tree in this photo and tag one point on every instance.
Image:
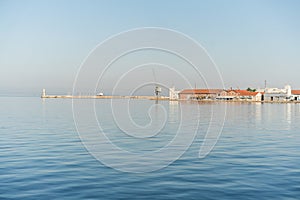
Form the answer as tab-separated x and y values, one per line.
251	90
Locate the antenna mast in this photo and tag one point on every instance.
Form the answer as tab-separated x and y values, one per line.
265	84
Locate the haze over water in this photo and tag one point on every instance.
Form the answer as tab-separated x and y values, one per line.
42	157
127	150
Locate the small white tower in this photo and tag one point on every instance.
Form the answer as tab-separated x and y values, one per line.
171	91
288	90
43	93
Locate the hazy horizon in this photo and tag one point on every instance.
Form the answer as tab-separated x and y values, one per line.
43	43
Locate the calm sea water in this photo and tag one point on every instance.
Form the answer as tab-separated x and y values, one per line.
256	157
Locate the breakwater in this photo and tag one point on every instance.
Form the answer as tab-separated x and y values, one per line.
104	97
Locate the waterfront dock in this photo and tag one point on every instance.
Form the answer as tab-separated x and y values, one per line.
103	97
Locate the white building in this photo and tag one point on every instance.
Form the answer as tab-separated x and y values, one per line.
295	95
276	94
173	94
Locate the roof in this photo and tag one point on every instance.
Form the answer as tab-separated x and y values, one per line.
244	92
296	92
217	91
201	91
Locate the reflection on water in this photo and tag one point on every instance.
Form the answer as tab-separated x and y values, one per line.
42	157
267	116
289	114
174	111
258	112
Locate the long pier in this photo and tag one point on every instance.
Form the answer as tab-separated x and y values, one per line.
103	97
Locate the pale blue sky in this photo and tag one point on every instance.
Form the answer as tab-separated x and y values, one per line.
43	43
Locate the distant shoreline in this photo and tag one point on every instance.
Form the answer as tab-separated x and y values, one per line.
160	98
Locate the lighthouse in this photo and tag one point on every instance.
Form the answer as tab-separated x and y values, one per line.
43	93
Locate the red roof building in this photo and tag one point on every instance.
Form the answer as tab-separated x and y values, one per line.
199	94
240	95
295	92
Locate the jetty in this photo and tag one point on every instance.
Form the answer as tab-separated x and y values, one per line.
103	97
195	96
45	96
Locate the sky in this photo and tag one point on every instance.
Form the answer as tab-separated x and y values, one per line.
44	43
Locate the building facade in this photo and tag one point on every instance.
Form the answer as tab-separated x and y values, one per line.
295	95
276	94
242	95
199	94
268	94
173	94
